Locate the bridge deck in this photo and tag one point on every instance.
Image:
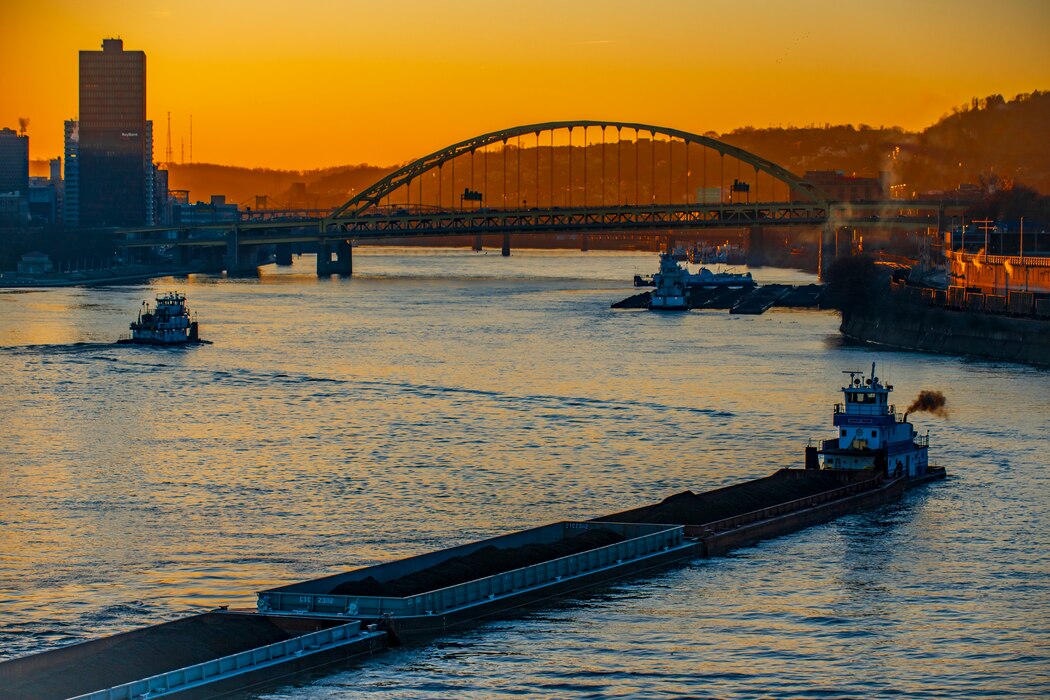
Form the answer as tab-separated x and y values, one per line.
405	223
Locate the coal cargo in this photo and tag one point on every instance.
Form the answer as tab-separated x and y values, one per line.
688	508
484	562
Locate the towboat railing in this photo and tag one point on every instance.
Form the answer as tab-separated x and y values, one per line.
183	679
783	508
862	409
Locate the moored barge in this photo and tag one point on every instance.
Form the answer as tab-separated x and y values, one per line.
351	615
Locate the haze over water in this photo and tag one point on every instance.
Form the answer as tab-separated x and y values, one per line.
442	396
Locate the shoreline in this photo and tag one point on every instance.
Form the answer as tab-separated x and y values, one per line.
83	279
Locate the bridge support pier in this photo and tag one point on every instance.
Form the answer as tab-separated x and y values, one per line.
239	260
756	247
477	243
670	244
283	254
826	234
344	253
324	259
213	258
506	245
179	254
343	263
584	242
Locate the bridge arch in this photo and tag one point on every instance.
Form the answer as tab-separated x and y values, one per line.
404	175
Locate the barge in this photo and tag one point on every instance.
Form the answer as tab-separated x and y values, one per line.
379	593
349	616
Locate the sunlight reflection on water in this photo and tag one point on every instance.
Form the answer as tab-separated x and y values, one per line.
439	397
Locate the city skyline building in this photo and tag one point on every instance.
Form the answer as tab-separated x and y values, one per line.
14	162
71	181
115	141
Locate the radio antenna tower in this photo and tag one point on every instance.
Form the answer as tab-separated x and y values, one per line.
191	138
167	154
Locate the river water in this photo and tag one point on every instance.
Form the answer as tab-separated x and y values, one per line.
444	396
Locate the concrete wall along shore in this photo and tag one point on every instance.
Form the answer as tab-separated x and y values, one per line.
968	324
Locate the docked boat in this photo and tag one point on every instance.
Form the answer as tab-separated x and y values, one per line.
673	283
727	254
352	615
671	292
167	323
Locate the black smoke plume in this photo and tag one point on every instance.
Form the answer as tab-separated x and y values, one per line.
930	402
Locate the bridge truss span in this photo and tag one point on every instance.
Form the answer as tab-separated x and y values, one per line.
570	165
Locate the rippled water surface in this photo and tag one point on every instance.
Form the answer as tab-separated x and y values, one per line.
442	396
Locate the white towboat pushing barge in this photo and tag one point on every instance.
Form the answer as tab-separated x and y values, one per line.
872	435
358	613
673	283
167	323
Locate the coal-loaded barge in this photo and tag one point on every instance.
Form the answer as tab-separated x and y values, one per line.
874	457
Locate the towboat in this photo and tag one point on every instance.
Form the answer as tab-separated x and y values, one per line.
168	323
671	293
673	283
872	435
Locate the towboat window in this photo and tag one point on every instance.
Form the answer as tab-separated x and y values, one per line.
860	398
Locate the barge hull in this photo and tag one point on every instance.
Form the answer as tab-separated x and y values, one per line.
273	676
325	596
719	543
406	630
200	656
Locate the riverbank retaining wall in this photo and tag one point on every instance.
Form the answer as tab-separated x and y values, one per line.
899	324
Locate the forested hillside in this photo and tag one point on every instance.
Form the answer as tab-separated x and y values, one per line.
993	142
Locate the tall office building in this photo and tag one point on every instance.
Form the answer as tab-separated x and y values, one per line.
115	147
71	198
14	162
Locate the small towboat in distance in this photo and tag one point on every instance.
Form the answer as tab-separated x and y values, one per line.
169	323
673	283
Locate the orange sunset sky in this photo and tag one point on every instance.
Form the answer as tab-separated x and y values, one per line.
314	83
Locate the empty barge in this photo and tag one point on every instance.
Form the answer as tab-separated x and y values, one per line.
876	456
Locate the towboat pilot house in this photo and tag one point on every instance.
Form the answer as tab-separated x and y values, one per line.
871	434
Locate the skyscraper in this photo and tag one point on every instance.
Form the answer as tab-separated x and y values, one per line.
115	140
71	198
14	162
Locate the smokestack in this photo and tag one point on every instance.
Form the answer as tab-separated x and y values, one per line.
928	401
